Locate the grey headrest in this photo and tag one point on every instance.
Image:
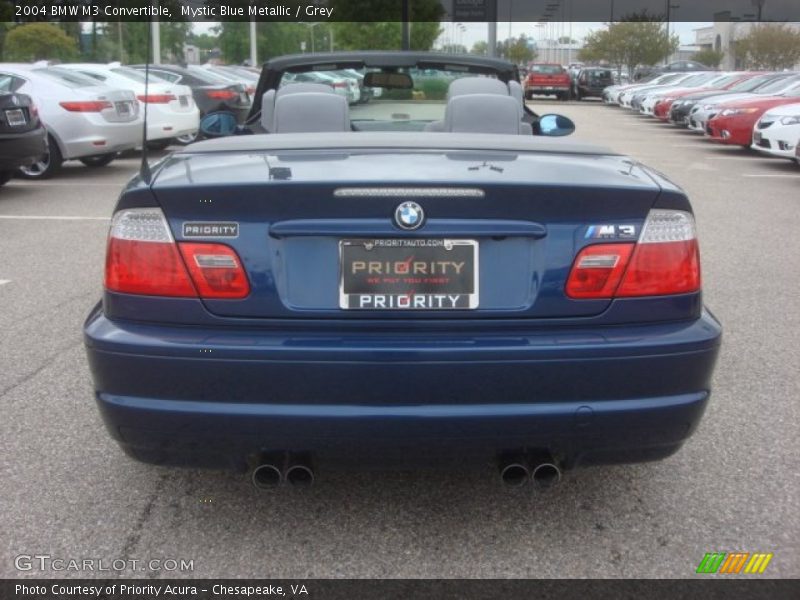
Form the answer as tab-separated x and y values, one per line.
476	85
310	112
270	96
483	113
515	91
267	109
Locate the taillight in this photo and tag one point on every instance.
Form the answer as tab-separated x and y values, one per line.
215	270
157	98
339	84
665	260
86	105
143	258
598	270
221	94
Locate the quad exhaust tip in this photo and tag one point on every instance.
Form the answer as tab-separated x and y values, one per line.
540	468
274	469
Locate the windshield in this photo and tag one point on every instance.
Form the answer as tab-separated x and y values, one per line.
698	79
547	69
387	109
66	77
135	75
778	86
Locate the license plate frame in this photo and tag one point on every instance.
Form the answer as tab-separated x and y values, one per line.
124	108
15	117
432	279
184	101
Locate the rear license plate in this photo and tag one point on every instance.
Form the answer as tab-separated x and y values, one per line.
123	108
408	274
184	100
16	117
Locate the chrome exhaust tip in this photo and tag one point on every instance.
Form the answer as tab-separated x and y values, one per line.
300	475
266	476
545	475
514	473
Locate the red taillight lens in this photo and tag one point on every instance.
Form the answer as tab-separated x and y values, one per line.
339	84
86	105
215	270
221	94
665	260
157	98
143	258
597	270
150	268
662	268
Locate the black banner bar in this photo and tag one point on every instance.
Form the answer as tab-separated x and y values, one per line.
707	587
392	10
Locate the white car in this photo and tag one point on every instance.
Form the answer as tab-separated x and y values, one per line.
708	108
171	110
624	93
85	120
777	131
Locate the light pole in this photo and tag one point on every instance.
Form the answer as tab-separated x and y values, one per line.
670	6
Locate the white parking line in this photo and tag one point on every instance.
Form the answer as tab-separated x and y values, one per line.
51	218
772	175
4	281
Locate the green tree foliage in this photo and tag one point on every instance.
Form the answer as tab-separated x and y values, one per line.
272	39
516	50
709	57
629	43
351	33
481	48
770	46
39	41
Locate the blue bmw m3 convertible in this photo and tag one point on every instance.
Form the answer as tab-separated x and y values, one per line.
434	275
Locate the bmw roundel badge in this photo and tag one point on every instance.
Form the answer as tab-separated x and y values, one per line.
409	215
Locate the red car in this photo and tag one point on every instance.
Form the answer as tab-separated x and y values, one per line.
662	107
735	121
547	79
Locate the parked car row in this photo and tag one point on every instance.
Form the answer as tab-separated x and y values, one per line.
754	110
91	112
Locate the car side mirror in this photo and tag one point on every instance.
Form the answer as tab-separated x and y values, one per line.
218	124
553	125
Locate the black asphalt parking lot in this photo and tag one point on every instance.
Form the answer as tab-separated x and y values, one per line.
69	492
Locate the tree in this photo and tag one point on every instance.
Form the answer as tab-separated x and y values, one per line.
517	50
350	33
630	43
775	46
481	48
39	41
709	57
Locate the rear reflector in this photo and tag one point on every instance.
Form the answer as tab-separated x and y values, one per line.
598	270
86	105
157	98
143	258
665	260
215	270
221	94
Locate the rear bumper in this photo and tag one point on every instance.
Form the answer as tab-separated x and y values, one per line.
216	398
20	149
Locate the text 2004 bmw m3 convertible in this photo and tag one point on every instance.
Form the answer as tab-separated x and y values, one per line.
409	281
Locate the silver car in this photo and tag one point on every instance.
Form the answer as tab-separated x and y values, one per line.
85	120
